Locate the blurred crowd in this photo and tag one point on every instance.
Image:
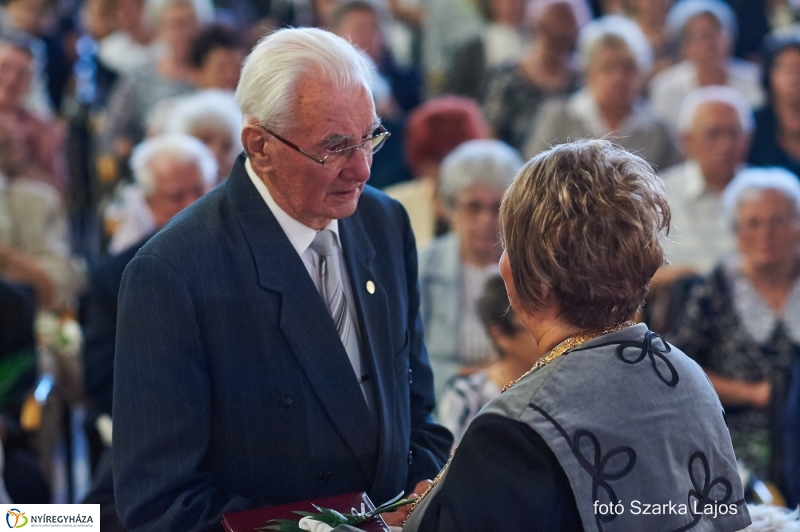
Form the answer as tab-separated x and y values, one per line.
117	114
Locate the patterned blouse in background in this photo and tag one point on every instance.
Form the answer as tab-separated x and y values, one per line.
730	330
511	101
463	398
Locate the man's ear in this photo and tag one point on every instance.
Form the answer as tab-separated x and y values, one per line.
255	146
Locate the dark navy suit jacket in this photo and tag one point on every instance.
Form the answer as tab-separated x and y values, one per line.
232	389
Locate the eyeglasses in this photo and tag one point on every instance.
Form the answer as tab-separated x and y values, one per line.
338	157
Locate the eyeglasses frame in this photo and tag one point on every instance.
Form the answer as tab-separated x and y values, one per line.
383	133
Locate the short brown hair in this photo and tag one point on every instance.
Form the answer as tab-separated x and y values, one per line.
584	221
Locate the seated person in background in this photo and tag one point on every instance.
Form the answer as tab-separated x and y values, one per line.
517	351
41	141
743	324
514	92
499	42
129	46
610	414
216	56
171	173
433	130
176	23
715	125
616	58
34	241
214	119
360	22
776	141
454	268
706	29
651	16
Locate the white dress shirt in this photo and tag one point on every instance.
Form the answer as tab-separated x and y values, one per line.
301	237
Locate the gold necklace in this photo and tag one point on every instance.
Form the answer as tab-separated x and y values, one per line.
570	342
565	345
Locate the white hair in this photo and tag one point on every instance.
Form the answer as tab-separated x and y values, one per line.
490	163
213	109
178	147
622	28
203	10
767	518
717	94
684	11
753	181
271	72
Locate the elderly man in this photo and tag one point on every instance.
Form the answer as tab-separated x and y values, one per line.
269	347
715	124
171	172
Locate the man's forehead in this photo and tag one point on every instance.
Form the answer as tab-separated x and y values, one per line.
716	113
335	110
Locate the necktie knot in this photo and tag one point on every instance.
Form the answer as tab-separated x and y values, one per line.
323	242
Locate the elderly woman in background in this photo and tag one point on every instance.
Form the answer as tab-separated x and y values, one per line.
776	141
465	395
706	29
743	324
514	92
454	269
433	130
177	23
610	414
616	58
214	118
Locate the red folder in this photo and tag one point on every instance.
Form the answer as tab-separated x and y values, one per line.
250	520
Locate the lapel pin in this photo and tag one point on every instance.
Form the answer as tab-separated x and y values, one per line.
370	287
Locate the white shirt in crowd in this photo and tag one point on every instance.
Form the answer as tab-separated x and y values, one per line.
700	235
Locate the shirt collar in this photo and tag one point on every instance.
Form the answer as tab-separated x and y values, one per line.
299	234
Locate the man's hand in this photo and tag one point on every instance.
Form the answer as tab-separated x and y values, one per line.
398	517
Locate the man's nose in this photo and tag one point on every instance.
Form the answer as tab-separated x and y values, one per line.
358	166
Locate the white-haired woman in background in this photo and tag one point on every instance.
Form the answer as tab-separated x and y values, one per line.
706	30
214	118
616	58
454	269
172	171
743	324
176	24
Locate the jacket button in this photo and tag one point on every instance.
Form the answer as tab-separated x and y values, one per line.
410	457
286	403
323	476
410	380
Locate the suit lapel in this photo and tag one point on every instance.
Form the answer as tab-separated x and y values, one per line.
304	318
373	319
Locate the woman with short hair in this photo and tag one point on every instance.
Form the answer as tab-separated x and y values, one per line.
611	417
455	267
616	59
743	324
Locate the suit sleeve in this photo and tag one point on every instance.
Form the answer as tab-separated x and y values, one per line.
430	442
162	407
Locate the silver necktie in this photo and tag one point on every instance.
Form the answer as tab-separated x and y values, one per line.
332	292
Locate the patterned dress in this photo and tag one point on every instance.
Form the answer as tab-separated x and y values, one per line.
729	330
